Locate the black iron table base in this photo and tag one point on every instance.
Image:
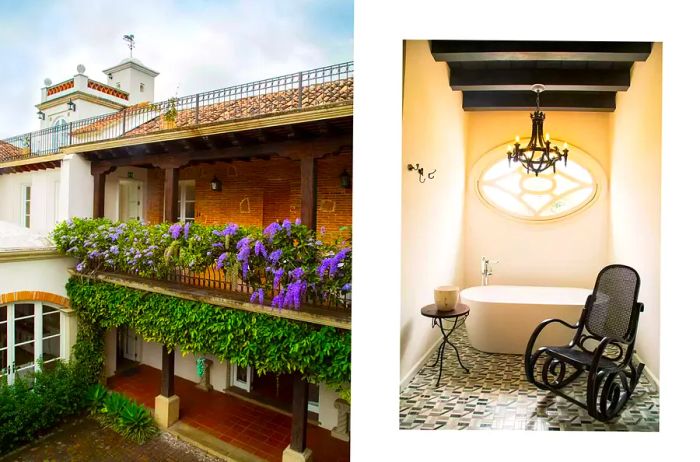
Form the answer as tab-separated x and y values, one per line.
458	317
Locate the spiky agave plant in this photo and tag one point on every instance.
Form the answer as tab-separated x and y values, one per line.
135	423
96	398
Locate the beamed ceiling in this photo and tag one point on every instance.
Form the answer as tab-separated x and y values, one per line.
578	76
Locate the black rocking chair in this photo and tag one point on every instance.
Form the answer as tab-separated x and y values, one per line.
610	319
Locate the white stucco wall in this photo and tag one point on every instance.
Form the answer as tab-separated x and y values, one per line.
76	188
432	241
566	252
635	194
48	275
43	193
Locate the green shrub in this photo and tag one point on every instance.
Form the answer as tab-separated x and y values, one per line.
39	402
96	397
112	406
128	418
135	423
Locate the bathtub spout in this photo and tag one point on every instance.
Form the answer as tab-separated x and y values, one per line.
486	270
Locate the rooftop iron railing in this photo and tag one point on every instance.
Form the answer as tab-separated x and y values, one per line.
302	90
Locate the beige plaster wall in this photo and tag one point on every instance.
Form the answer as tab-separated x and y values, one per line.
635	193
566	252
432	212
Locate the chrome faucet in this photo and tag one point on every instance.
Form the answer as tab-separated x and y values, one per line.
486	270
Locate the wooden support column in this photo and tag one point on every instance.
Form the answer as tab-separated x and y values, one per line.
309	191
167	408
167	384
172	176
300	405
99	173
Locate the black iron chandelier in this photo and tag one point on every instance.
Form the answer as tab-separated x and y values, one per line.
539	154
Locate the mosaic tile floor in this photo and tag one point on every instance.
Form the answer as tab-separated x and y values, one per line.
496	395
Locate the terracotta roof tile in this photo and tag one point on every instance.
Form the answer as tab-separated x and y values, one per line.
9	152
271	103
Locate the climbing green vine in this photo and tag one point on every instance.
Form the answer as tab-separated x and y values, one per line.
269	343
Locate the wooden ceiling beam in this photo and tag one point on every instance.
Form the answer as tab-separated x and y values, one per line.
470	50
594	101
552	79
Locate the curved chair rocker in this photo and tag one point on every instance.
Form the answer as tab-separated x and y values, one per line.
609	317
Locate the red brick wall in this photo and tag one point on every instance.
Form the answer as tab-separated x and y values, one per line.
258	191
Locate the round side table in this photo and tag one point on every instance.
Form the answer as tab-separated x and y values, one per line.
458	316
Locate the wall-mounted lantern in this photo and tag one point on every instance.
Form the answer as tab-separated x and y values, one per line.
71	105
216	184
41	115
345	180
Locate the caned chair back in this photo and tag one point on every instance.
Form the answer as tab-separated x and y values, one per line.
612	309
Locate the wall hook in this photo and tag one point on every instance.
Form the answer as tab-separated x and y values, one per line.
419	169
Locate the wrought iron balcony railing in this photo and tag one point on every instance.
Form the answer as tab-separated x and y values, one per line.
218	280
302	90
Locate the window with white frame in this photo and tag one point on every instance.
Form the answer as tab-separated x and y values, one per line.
25	205
29	331
509	188
185	202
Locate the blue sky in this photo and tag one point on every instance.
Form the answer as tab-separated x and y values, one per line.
195	45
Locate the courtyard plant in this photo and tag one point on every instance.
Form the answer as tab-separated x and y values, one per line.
123	415
36	403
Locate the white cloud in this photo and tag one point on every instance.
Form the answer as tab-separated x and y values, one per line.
196	46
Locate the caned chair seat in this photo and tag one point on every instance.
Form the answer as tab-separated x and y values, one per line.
579	357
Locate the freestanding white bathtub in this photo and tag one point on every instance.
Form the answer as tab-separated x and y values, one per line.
502	318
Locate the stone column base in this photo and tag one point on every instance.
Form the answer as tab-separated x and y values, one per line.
167	410
290	455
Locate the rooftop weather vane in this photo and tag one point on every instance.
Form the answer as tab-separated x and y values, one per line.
131	44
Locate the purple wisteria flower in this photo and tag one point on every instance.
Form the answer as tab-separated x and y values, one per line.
323	230
272	229
80	267
330	264
221	259
114	249
275	256
347	287
278	300
286	224
187	229
175	230
217	244
258	295
297	221
278	277
260	249
229	230
297	273
294	293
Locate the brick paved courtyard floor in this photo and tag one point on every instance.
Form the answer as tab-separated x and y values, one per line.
259	431
85	440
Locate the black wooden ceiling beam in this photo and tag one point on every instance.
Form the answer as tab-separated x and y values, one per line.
596	101
552	79
468	50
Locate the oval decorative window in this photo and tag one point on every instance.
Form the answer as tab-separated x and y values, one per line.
511	190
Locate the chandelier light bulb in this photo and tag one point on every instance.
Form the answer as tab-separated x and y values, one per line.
546	137
517	139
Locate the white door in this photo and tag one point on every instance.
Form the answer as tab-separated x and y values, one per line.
130	200
131	344
241	377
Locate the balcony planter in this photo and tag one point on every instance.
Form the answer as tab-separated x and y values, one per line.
170	115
